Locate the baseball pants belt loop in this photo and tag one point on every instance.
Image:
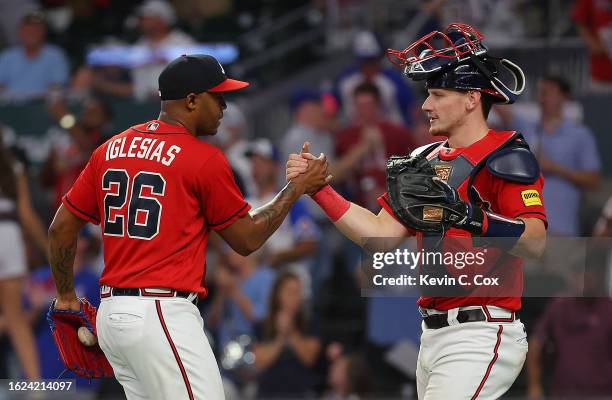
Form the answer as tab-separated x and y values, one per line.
437	321
150	292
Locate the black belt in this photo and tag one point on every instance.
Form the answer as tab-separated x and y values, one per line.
139	292
437	321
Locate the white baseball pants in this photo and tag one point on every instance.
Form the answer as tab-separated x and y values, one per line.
158	349
472	360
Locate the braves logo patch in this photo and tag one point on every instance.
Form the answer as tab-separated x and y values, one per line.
152	126
443	171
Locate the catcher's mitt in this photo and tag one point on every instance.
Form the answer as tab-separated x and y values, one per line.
85	361
420	199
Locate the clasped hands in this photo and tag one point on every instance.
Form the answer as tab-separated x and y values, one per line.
308	171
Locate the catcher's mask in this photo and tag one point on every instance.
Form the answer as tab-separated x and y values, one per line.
457	59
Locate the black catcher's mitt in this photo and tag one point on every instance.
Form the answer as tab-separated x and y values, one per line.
420	199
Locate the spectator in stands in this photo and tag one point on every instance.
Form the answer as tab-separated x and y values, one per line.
348	378
232	138
594	21
75	142
310	123
293	245
240	301
567	153
157	19
578	331
362	149
40	290
33	68
17	217
396	97
286	356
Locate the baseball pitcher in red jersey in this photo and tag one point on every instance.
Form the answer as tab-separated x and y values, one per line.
157	192
485	188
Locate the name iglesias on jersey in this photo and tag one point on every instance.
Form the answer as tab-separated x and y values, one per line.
144	148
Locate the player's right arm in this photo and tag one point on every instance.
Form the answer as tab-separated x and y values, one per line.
360	224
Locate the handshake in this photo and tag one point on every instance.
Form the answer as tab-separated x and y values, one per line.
307	172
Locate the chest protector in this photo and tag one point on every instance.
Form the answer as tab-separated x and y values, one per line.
505	154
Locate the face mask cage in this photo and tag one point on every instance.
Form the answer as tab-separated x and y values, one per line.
438	50
460	44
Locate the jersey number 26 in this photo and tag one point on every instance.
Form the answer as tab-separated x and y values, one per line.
141	207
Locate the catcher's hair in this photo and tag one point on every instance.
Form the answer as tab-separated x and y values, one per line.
269	324
487	101
8	184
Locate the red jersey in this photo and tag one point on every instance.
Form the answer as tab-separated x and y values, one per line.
495	194
597	16
157	192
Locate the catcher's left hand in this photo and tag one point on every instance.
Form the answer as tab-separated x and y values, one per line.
424	202
85	361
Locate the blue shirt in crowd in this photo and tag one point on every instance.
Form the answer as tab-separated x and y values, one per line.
573	146
257	289
24	78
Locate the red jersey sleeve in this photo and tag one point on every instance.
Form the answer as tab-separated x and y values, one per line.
519	200
222	201
81	199
383	200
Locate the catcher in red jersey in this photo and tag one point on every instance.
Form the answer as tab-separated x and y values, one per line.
478	189
157	193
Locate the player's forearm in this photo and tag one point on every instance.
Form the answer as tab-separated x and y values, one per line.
63	234
532	242
358	224
267	219
62	249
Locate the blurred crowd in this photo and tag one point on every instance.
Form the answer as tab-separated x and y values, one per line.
289	321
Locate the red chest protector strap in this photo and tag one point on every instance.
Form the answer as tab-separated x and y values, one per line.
505	154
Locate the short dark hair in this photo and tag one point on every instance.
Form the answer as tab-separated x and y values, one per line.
487	101
562	83
367	88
